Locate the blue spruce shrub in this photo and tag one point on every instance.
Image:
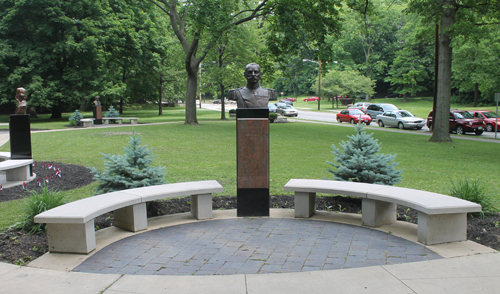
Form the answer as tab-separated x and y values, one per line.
131	170
112	113
358	161
74	119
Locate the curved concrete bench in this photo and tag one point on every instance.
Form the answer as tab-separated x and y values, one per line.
87	122
16	169
441	218
70	227
133	120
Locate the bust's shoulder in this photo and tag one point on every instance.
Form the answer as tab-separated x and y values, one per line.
272	93
233	94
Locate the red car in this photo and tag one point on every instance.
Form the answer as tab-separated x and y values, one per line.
461	121
489	117
353	116
290	99
311	99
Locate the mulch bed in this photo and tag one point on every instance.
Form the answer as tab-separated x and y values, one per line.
20	248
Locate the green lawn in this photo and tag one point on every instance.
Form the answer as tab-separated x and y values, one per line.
297	150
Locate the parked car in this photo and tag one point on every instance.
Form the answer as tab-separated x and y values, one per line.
287	110
311	99
278	104
361	106
401	119
489	118
216	101
272	107
461	122
290	99
288	102
353	116
379	108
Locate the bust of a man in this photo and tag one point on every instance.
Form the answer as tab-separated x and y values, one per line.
21	101
252	95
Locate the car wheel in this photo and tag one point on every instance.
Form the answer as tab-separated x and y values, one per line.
460	130
296	115
401	126
478	132
338	119
489	128
380	123
419	128
352	120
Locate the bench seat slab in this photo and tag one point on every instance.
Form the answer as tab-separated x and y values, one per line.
133	218
377	213
442	228
71	238
201	206
305	204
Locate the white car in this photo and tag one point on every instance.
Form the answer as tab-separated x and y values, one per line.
401	119
287	110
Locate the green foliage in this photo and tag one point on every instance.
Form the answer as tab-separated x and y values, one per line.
347	82
37	203
131	170
273	116
359	161
473	190
74	119
112	113
232	110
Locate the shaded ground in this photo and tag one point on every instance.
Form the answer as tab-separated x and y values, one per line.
20	248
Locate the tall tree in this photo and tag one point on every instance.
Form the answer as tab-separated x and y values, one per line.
198	24
455	18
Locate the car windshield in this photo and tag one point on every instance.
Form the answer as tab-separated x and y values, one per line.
489	114
390	107
463	114
405	114
355	112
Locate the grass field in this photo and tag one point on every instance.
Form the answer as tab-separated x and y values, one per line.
297	150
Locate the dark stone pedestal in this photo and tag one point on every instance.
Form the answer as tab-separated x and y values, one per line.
20	137
252	140
97	114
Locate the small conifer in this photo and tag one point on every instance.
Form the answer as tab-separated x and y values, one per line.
131	170
359	161
74	119
112	113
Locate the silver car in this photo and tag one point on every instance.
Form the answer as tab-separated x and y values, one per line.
401	119
287	110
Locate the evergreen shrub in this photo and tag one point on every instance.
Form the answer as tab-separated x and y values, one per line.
131	170
74	119
112	113
359	161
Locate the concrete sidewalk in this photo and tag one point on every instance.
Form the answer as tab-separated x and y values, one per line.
467	268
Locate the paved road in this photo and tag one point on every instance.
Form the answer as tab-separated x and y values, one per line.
331	117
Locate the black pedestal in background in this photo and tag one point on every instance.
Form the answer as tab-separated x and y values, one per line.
20	137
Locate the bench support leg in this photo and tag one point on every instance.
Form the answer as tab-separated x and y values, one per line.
133	121
132	218
442	228
377	213
201	206
71	238
305	204
18	174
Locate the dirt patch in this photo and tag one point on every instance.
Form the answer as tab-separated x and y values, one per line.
20	248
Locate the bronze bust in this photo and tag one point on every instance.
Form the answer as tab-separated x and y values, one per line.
21	101
252	95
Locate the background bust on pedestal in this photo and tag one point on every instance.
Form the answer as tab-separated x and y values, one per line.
252	95
21	101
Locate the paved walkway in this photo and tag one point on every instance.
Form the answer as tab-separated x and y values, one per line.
253	246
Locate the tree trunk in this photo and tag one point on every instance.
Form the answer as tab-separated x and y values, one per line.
476	94
405	96
441	131
56	110
223	105
160	99
192	83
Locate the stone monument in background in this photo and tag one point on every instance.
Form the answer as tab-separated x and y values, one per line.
97	111
20	129
252	141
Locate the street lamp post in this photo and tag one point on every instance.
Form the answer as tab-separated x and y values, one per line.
319	80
